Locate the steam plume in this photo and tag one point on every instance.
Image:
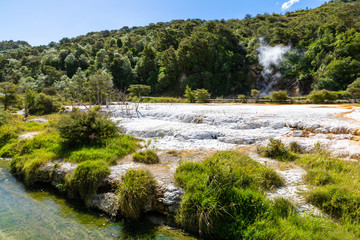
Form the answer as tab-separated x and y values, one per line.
270	58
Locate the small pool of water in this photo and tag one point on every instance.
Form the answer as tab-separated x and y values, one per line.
39	214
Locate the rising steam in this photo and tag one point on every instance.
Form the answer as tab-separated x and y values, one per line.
270	58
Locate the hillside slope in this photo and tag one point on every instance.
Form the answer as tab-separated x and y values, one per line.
221	56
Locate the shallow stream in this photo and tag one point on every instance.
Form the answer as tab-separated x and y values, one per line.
39	214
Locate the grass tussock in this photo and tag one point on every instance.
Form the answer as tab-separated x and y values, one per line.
135	190
223	193
276	150
148	156
86	177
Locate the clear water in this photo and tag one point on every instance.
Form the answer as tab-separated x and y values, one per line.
38	214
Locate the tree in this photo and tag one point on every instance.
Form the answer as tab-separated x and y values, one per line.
189	94
255	94
7	94
100	86
354	89
138	90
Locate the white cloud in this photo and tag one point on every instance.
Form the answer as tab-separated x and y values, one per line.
288	4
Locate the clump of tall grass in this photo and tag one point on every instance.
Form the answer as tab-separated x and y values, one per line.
147	156
87	176
137	188
223	194
276	149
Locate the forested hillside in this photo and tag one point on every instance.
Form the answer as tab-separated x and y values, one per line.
220	56
7	47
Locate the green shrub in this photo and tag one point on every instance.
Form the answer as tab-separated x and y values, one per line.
322	96
202	95
279	96
294	147
242	98
255	94
148	156
222	197
189	94
87	176
4	117
7	133
39	103
86	128
276	149
135	190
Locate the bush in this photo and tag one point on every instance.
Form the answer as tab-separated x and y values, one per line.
294	147
86	128
255	94
354	89
7	133
39	104
135	190
189	94
148	156
4	117
242	98
202	95
87	176
279	96
276	149
222	197
322	96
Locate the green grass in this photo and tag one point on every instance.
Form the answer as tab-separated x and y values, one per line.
335	187
223	194
224	199
87	176
148	156
92	154
136	189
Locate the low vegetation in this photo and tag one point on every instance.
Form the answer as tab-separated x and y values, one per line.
148	156
322	96
136	189
87	176
276	149
86	128
224	199
335	186
103	148
223	193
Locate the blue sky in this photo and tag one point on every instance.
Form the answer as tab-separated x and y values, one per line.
42	21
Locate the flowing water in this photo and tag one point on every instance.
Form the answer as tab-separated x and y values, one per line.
37	214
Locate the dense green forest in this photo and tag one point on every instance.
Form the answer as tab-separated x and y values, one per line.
220	56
